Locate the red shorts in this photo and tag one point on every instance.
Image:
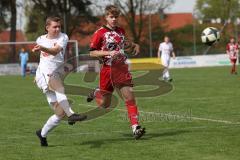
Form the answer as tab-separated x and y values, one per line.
233	61
114	76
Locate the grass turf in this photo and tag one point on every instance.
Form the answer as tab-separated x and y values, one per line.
199	119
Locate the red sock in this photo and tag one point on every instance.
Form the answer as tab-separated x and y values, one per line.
234	68
132	112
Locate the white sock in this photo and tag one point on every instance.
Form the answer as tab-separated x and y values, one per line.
134	127
51	123
96	90
66	107
166	73
63	102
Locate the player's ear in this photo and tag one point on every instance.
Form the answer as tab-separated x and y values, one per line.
46	28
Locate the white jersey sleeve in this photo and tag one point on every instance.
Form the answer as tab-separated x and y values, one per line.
62	41
39	39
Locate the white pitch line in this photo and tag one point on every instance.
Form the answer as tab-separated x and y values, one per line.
174	115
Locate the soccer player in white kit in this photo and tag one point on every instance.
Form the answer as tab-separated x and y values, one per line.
165	51
50	75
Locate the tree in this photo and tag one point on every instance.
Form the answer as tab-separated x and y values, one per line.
73	12
224	9
3	14
132	8
10	6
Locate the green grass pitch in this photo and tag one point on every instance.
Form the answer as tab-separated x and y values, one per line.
198	120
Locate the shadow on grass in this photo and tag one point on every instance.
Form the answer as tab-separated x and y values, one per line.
129	137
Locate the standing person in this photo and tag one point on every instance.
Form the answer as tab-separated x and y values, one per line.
108	44
165	51
23	57
49	76
232	51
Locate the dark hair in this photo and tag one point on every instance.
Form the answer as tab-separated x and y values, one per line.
52	19
112	9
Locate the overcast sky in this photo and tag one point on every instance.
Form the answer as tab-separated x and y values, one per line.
182	6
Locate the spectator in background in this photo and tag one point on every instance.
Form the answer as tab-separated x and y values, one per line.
23	57
232	51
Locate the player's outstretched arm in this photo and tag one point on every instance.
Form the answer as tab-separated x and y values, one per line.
36	49
53	51
136	49
227	52
173	55
99	53
158	53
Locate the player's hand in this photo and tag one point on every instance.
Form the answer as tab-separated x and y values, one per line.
136	50
113	53
36	48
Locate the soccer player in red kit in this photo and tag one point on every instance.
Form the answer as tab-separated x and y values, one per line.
232	51
108	44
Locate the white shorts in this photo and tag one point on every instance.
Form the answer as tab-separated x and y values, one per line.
51	98
42	78
165	61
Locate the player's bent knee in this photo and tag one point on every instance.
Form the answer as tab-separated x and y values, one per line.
130	100
105	104
59	112
101	102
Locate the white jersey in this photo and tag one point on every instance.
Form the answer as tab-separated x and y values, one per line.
49	63
166	49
